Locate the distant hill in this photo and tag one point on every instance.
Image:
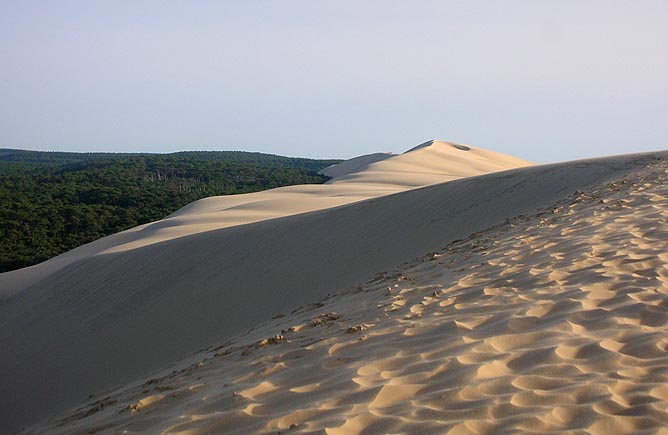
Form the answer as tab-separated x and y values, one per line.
51	202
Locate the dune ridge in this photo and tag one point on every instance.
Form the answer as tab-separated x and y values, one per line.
553	321
105	319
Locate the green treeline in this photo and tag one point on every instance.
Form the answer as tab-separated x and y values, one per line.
51	202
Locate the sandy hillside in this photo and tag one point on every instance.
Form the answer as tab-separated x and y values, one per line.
553	321
105	313
477	357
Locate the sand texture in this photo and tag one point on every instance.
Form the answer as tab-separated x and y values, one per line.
530	300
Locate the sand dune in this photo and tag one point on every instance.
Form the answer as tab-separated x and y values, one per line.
554	321
355	180
361	178
101	299
544	317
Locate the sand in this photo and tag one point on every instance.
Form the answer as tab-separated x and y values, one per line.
530	300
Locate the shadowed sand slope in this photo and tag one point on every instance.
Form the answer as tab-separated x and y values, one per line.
554	321
106	319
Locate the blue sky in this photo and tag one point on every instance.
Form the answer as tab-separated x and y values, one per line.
542	80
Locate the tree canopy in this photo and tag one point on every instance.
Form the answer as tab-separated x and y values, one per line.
51	202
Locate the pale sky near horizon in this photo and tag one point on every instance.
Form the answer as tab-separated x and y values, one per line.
542	80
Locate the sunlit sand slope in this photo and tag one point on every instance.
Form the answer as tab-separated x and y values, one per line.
554	321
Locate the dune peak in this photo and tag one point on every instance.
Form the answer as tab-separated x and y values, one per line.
435	143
